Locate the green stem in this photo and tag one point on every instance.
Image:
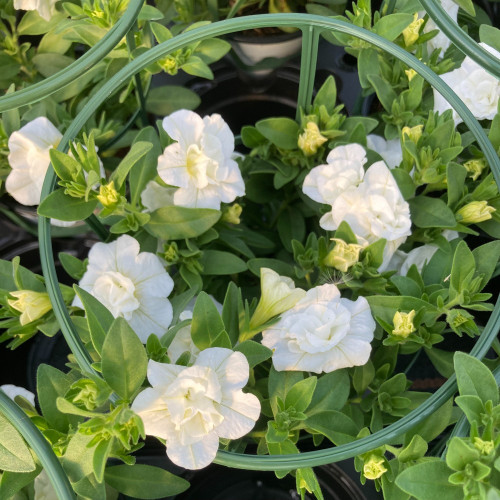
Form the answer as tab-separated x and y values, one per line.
40	446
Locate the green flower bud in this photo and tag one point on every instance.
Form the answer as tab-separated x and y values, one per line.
31	305
413	133
411	33
108	195
343	256
403	324
311	139
484	447
232	214
374	467
475	167
474	212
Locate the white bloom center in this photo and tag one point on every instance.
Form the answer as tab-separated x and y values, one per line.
116	292
197	165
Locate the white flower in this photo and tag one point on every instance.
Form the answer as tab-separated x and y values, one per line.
191	408
182	342
130	284
419	256
375	209
43	488
478	89
440	41
200	162
322	333
155	196
390	151
29	158
344	169
46	8
13	390
278	294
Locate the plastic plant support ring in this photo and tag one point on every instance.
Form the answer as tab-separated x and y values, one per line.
461	39
39	91
40	446
309	24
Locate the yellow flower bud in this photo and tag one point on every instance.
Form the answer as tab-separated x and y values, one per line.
410	73
278	294
343	255
311	139
169	65
232	214
31	305
485	447
413	133
374	467
475	167
108	195
411	33
403	324
474	212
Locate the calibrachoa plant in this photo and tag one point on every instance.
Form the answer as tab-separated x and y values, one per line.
272	299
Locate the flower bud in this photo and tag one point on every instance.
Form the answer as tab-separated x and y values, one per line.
108	195
413	133
411	33
475	167
31	305
403	324
374	467
232	214
485	447
343	255
474	212
278	294
171	254
169	65
410	73
311	139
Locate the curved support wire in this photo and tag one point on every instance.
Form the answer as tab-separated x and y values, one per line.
39	91
39	445
303	22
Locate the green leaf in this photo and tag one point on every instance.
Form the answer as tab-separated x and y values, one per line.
461	270
219	263
486	258
177	223
255	353
344	232
144	169
50	63
331	392
212	49
137	151
431	212
282	132
466	5
15	456
405	182
64	207
197	67
455	177
144	481
32	24
66	167
327	95
162	101
460	453
12	482
282	268
416	449
230	312
124	360
99	319
490	36
78	459
52	383
390	27
291	226
279	385
87	488
384	91
336	426
368	64
300	395
72	265
472	406
207	327
475	379
429	480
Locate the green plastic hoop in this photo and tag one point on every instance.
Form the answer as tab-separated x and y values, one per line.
40	446
311	27
39	91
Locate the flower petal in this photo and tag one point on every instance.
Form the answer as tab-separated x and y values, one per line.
196	455
240	413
